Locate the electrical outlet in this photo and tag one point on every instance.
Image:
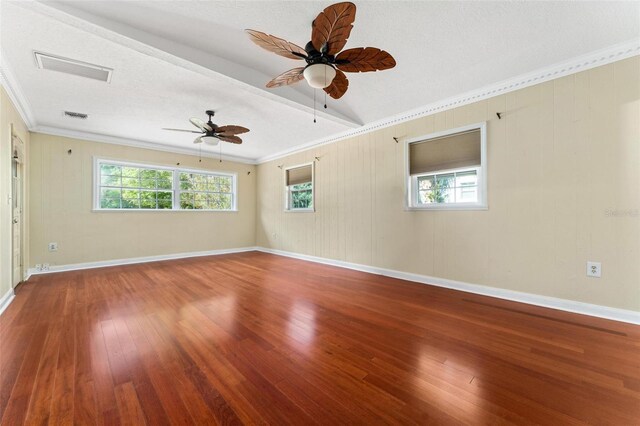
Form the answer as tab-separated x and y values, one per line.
45	267
594	269
53	246
38	267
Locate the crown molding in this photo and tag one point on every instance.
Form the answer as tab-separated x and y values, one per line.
16	95
114	140
577	64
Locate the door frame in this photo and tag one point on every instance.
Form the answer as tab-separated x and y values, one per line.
18	156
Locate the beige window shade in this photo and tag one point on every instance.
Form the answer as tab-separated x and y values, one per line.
299	175
448	152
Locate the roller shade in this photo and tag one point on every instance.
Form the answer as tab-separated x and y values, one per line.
448	152
299	175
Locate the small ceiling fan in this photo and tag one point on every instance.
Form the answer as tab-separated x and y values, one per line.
329	34
211	133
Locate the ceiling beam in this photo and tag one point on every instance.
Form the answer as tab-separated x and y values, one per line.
186	57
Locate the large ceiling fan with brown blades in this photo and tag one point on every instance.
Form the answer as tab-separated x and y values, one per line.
211	133
326	61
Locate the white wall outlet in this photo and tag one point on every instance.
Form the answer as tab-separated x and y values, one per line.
38	267
594	269
53	246
45	267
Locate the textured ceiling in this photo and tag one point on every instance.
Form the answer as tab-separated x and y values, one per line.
174	59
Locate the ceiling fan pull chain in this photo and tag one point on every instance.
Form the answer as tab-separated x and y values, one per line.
200	153
325	93
220	145
314	105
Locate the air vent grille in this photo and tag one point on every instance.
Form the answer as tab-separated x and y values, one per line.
76	115
73	67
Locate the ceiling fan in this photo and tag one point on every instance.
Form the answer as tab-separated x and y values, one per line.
211	133
326	64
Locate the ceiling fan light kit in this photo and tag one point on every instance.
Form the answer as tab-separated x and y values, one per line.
209	140
211	133
319	76
323	54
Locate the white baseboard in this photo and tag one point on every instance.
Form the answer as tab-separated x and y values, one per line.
599	311
6	300
133	260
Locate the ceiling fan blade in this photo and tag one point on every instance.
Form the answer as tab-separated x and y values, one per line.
332	27
198	139
232	139
180	130
364	59
338	86
231	130
277	45
287	77
200	124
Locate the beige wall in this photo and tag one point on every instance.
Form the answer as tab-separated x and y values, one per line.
61	209
565	154
9	116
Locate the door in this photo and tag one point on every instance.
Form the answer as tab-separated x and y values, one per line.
17	170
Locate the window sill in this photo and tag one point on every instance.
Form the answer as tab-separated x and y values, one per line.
299	210
452	207
162	210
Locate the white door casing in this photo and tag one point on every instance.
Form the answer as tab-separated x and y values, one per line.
17	179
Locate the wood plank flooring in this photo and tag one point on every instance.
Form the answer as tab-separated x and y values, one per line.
255	338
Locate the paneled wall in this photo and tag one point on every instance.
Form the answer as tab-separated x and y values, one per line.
564	188
9	117
61	210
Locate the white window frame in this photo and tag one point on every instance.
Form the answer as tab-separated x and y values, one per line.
287	192
411	187
175	190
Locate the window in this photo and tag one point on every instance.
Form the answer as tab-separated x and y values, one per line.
447	170
127	186
299	188
205	191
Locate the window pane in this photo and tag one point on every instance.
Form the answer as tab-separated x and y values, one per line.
109	169
165	196
110	193
186	200
426	182
130	182
164	204
467	194
148	183
110	203
164	174
199	182
165	182
445	181
110	181
147	204
147	174
214	184
130	203
301	199
425	197
220	201
467	178
148	199
132	172
130	193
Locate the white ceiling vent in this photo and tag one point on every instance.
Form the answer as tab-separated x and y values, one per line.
79	115
71	66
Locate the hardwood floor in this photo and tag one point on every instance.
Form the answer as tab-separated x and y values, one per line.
257	338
